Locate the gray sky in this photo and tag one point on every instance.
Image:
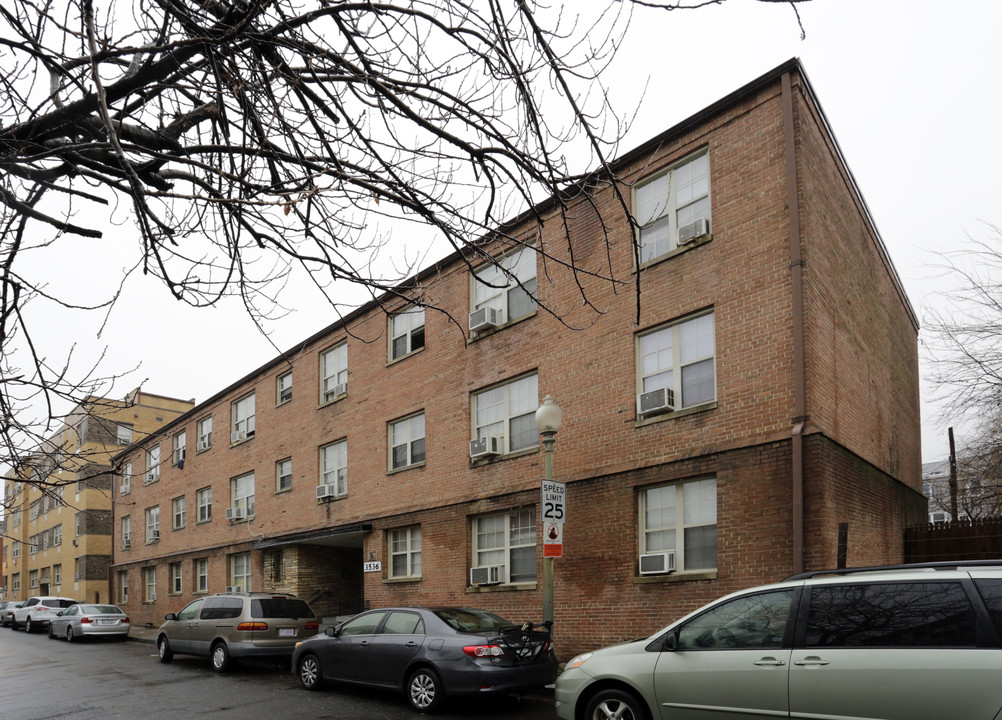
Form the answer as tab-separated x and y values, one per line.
910	88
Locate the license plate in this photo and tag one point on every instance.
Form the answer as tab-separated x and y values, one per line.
286	632
105	622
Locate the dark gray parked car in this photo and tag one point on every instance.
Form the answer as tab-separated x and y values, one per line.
429	653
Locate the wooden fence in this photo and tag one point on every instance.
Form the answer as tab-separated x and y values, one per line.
962	540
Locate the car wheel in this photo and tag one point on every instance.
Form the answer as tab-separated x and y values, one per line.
309	672
28	627
220	657
69	634
52	634
616	704
424	690
163	650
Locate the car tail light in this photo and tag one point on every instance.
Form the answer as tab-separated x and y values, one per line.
252	626
42	608
84	620
313	625
547	646
484	650
125	621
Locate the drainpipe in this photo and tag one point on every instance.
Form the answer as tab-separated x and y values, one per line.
797	309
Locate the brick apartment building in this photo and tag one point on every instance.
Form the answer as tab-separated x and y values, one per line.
762	417
58	530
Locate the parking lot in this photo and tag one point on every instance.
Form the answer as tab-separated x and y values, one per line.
100	680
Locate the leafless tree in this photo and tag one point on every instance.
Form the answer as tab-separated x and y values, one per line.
248	139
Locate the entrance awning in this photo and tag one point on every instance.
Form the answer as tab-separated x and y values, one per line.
349	536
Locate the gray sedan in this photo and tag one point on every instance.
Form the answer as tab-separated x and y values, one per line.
85	620
429	653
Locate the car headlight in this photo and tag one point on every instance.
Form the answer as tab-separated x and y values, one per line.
578	660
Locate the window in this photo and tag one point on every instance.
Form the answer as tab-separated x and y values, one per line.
124	435
283	475
889	615
15	551
57	535
126	531
15	580
750	621
334	373
177	511
683	518
240	572
152	464
406	332
175	578
242	494
123	586
334	466
180	441
126	487
150	584
508	540
202	575
78	568
153	524
57	574
242	417
283	388
508	286
204	430
405	552
407	442
203	501
679	358
508	412
670	202
33	578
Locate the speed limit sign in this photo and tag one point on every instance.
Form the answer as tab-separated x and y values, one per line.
554	502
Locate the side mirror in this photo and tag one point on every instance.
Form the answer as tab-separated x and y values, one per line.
671	640
331	632
170	616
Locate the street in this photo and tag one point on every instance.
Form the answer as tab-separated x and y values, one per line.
99	680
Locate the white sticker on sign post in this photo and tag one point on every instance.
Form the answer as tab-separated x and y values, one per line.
554	502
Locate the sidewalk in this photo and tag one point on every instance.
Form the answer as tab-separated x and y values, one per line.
141	633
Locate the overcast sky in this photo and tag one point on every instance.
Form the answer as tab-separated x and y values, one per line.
911	88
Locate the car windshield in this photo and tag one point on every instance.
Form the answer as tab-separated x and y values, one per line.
100	610
280	608
471	620
56	603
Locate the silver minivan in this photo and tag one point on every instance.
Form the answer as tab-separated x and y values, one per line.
228	626
912	642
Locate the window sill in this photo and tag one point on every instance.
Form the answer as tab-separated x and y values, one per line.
643	422
242	442
405	468
280	491
332	498
694	575
412	353
673	253
507	587
283	402
402	580
477	336
332	401
480	462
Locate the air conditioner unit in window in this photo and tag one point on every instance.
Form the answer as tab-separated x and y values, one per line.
231	588
694	231
238	436
326	491
202	445
126	542
152	476
485	447
235	513
657	563
656	401
155	535
487	575
486	318
339	390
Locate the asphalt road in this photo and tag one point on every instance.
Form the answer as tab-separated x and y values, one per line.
43	679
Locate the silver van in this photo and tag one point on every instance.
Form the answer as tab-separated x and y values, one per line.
227	626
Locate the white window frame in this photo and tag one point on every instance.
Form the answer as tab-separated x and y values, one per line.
242	493
242	412
178	512
57	574
283	388
202	575
203	504
179	444
407	434
123	586
123	435
334	466
695	507
203	432
152	465
672	349
57	535
149	584
670	199
283	475
516	531
127	528
153	524
500	285
333	372
240	572
406	333
496	407
405	544
174	571
126	487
